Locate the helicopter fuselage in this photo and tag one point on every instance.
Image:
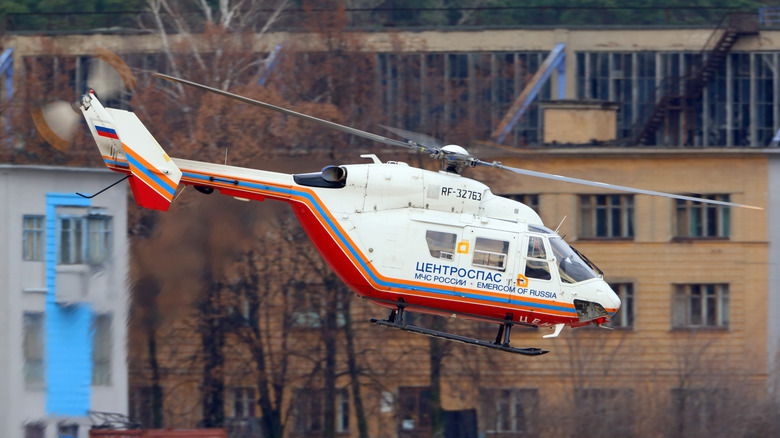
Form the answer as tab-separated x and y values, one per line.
436	241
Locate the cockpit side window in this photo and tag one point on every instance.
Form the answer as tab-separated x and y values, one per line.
441	245
489	253
571	266
536	265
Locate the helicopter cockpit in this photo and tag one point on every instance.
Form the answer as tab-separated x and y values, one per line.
573	267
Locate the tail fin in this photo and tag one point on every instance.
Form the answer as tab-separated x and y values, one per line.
127	146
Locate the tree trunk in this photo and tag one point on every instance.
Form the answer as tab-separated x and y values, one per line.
436	358
271	416
354	372
213	341
329	334
154	365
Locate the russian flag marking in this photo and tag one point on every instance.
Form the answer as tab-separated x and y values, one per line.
106	132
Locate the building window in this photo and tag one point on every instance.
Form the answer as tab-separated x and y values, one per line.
66	430
427	91
607	216
624	318
441	245
85	239
33	346
696	411
415	411
308	310
244	402
508	412
141	406
32	238
101	350
489	253
35	430
309	411
605	411
701	305
529	200
695	219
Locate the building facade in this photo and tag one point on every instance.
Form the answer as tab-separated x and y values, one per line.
693	350
64	300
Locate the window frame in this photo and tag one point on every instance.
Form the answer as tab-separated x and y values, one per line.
35	430
590	212
415	405
684	304
432	240
33	238
539	262
314	397
75	243
695	409
606	410
102	349
508	401
627	312
686	208
244	402
35	377
498	263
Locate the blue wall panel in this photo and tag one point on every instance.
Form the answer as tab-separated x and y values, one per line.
68	330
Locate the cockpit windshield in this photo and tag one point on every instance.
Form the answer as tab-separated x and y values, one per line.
572	267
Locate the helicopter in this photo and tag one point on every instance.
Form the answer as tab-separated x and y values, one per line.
404	238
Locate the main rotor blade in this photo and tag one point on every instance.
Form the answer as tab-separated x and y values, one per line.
336	126
610	186
421	139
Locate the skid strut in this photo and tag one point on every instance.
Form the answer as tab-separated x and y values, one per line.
396	320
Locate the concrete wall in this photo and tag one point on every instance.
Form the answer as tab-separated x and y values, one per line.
773	265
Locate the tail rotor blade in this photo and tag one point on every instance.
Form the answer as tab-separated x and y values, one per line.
57	123
108	75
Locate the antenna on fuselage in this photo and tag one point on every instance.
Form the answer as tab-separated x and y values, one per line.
559	225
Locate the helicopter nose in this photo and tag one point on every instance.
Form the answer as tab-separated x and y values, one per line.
613	300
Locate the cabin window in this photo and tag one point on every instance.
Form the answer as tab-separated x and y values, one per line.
536	265
441	245
571	267
489	253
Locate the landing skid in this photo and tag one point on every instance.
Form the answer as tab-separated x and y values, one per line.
396	320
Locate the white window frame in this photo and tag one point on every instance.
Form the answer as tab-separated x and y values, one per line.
77	239
32	237
713	305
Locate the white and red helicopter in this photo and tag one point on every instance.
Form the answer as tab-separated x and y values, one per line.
404	238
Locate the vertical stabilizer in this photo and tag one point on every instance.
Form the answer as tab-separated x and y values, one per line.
127	146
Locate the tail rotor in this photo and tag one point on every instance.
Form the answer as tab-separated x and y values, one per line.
58	121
